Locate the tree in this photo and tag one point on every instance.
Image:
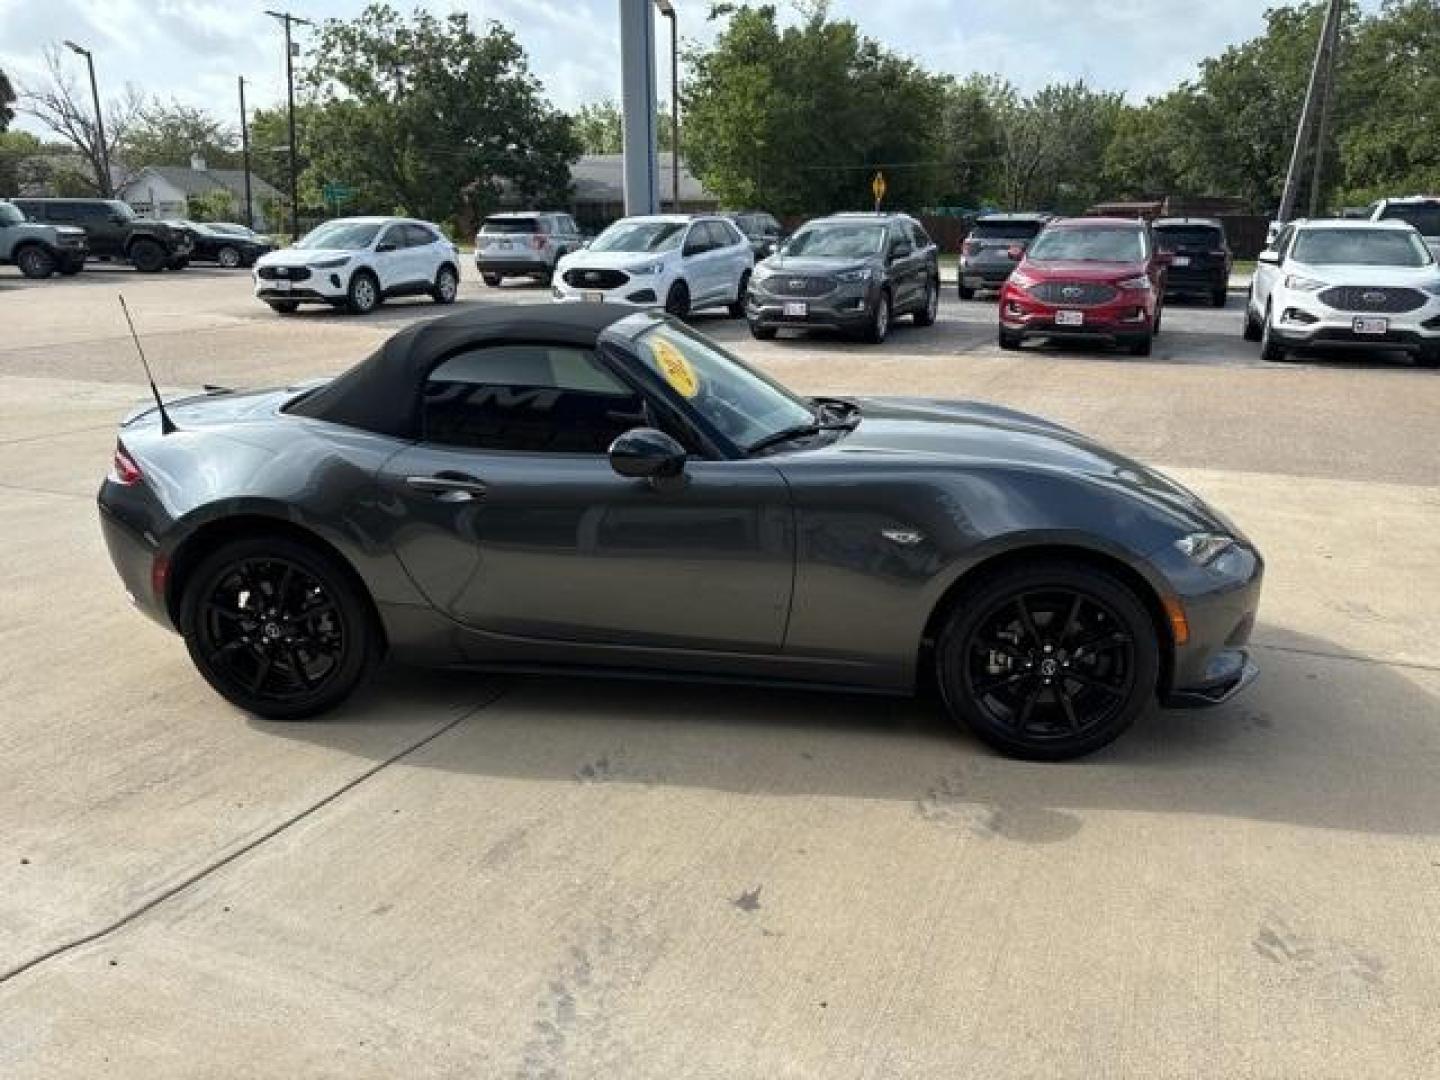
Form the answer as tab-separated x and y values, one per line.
423	114
972	139
169	134
7	98
68	112
212	206
1052	145
798	120
601	128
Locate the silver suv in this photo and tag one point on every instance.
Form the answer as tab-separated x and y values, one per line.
39	250
1419	210
524	244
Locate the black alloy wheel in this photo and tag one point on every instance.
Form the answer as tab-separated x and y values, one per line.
276	629
677	300
35	262
147	256
1049	663
228	257
737	308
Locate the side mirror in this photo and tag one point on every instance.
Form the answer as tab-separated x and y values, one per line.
769	247
1016	252
647	454
387	246
901	250
1270	257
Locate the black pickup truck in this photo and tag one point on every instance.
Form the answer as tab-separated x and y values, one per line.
115	232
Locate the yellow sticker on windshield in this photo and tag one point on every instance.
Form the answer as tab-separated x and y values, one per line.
676	369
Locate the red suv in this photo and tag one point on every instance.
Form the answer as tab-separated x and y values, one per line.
1099	278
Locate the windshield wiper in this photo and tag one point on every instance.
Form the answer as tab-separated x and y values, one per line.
820	423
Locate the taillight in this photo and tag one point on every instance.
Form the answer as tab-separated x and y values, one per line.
123	469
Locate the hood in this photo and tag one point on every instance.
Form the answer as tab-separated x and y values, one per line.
968	433
1416	277
817	266
589	258
292	256
1081	271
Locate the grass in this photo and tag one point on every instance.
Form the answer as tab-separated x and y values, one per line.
1243	266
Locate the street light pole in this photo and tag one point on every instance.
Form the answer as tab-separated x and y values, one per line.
245	156
286	18
104	151
667	8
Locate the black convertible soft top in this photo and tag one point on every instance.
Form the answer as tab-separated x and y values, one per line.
382	392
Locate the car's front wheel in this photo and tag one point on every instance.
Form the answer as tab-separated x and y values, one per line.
966	294
1048	662
228	257
677	300
879	327
1271	350
35	262
926	314
278	628
147	256
1253	331
737	307
447	285
1009	340
363	296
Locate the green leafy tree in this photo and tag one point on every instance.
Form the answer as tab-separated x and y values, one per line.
170	133
600	127
1052	145
797	120
972	141
212	206
424	114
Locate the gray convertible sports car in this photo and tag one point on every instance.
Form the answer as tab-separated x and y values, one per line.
578	488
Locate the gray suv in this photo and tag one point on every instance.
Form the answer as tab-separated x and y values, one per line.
993	249
524	244
39	250
849	272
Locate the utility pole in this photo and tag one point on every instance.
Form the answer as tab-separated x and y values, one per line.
637	95
1307	114
668	10
1327	97
245	155
286	18
103	180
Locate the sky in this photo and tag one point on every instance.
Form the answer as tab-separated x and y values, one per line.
193	50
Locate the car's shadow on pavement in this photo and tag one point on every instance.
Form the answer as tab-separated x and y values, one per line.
1324	740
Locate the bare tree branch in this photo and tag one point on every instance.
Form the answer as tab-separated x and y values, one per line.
67	111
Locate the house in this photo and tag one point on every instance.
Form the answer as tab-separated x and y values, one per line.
165	191
598	191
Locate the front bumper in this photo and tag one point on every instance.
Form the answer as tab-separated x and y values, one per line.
1303	321
323	286
845	307
637	292
1126	318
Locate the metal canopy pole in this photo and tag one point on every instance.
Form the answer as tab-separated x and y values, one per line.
1297	155
637	93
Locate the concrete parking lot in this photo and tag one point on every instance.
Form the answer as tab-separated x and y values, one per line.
462	876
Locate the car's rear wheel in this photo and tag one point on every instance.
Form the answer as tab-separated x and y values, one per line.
925	315
492	280
228	257
1048	662
879	326
447	285
1429	356
278	628
677	300
737	308
147	256
284	307
363	296
35	262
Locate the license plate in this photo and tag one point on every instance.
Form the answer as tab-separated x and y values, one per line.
1181	260
282	285
593	297
795	309
1372	326
1069	318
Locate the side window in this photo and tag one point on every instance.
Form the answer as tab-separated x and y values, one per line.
66	212
723	234
769	226
418	236
570	227
697	240
921	238
533	399
897	237
393	235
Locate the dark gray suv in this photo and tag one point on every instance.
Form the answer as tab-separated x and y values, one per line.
848	272
993	249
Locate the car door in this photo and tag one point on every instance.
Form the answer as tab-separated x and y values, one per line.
735	256
696	264
516	524
424	254
390	258
1267	274
904	263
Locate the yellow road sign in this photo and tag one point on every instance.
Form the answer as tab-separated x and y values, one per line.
877	187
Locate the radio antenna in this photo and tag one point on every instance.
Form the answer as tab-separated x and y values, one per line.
167	426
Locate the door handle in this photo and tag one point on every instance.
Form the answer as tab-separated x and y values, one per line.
449	487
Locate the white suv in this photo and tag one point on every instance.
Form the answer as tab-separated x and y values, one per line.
355	263
1355	285
1419	210
675	261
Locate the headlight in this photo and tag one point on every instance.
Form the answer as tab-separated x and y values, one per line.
1022	281
851	276
1216	552
330	264
647	269
1135	284
1303	284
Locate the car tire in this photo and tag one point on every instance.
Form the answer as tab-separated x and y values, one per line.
35	262
1253	331
147	256
492	280
1271	351
447	285
737	307
284	307
1428	357
1159	318
1009	340
229	257
966	294
677	300
1102	663
879	326
762	333
1143	345
927	313
1218	297
363	296
266	655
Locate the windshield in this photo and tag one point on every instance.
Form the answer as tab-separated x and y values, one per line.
1089	245
345	235
10	215
835	241
123	209
641	236
745	406
1360	247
